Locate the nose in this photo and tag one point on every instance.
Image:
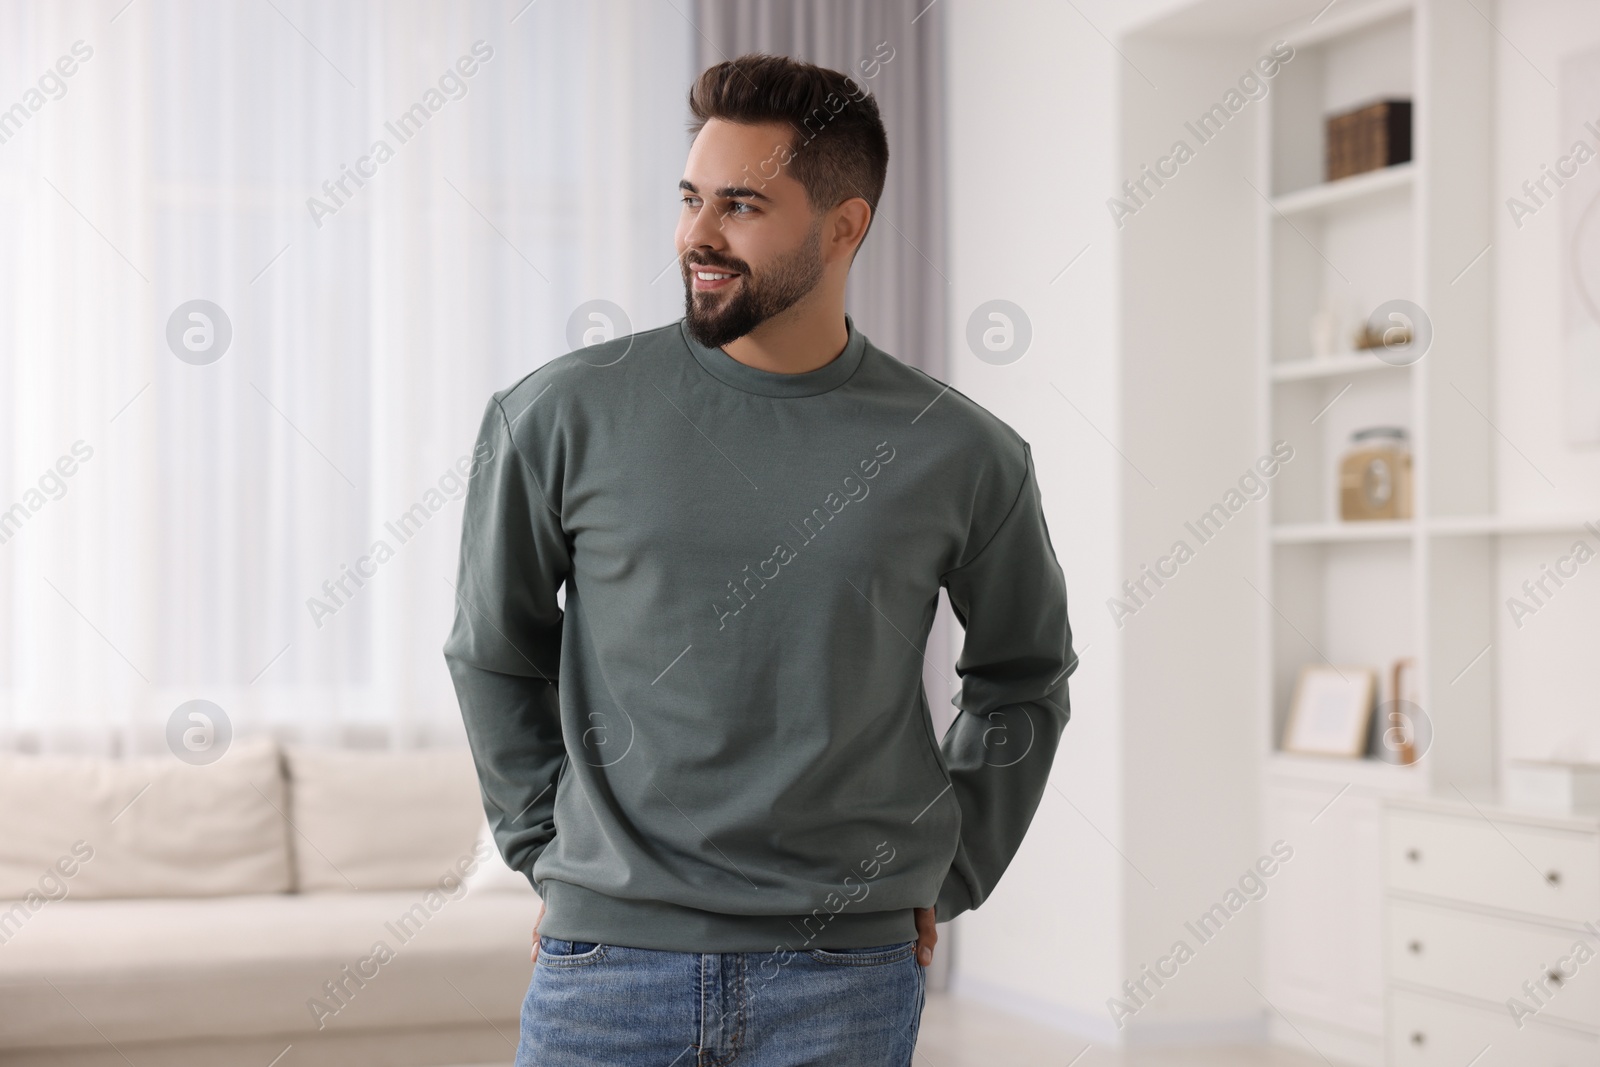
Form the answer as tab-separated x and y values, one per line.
703	232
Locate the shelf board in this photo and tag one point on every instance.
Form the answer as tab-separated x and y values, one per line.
1356	189
1310	533
1361	773
1468	525
1300	370
1494	805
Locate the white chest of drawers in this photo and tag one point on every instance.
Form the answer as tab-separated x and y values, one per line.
1491	935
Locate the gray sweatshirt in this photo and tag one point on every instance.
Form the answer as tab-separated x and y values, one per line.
720	741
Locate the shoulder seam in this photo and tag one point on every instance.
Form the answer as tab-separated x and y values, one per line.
533	475
946	387
1027	476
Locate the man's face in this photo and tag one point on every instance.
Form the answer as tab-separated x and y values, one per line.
743	214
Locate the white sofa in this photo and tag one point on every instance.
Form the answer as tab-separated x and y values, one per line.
283	905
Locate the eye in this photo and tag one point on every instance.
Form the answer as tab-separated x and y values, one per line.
740	204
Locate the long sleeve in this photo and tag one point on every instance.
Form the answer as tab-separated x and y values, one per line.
504	649
1014	663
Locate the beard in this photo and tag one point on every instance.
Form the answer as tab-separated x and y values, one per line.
725	315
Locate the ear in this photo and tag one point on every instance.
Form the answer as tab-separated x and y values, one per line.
849	226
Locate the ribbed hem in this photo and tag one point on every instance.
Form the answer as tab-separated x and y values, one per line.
573	913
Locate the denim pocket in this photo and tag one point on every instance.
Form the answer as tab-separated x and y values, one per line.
865	957
561	953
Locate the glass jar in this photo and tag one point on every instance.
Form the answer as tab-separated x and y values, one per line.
1375	475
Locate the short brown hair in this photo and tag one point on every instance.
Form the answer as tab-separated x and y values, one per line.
840	148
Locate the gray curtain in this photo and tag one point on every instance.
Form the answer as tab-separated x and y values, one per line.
898	288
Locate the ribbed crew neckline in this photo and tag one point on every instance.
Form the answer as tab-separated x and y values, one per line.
830	375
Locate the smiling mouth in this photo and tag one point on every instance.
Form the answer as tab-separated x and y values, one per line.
708	278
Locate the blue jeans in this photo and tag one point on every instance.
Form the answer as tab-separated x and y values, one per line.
593	1005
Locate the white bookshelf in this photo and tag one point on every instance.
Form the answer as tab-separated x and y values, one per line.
1367	593
1247	239
1404	232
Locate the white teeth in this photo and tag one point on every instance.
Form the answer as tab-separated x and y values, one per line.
707	276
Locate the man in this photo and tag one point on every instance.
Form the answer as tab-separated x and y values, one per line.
717	764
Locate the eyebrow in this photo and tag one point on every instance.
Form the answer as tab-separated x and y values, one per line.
728	192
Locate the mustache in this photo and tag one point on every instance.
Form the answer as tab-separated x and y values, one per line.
690	264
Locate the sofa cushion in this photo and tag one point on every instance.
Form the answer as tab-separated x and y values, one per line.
90	827
368	820
284	964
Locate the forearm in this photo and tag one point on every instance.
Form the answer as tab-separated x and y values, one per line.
513	727
1015	661
999	768
504	648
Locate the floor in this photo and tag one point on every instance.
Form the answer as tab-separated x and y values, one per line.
964	1033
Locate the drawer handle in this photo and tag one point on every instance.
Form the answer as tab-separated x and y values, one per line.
1415	948
1414	855
1417	1037
1553	877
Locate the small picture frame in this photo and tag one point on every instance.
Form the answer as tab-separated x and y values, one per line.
1331	713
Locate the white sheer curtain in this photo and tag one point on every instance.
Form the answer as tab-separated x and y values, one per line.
176	561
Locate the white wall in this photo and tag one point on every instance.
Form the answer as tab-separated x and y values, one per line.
1187	359
1033	144
1548	673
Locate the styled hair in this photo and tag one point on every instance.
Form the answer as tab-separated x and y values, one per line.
838	149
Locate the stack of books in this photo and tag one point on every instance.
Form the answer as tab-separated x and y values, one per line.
1368	138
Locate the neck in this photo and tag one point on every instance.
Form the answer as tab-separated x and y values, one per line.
803	338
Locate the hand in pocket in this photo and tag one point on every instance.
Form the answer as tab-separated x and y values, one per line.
927	934
534	957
